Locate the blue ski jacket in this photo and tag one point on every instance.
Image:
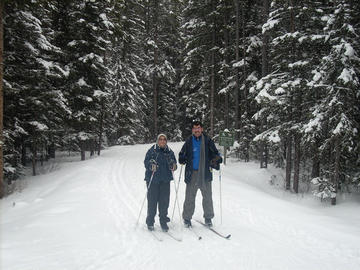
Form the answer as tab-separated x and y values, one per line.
212	158
164	158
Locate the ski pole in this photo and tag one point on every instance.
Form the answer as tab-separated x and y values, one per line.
220	196
176	194
142	206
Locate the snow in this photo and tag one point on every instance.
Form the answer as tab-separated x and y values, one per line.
252	77
346	75
106	21
280	91
349	51
91	56
99	93
314	123
82	215
38	125
239	64
298	64
270	24
270	136
82	82
31	48
263	94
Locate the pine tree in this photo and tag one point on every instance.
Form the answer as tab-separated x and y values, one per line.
128	104
88	73
159	72
337	112
2	186
201	61
281	92
30	69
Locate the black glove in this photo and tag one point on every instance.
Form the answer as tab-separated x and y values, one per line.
215	162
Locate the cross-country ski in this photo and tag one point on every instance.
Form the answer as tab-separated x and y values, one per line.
215	231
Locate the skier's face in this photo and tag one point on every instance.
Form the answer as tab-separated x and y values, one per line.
162	142
197	131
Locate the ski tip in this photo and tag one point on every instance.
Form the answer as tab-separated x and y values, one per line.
228	237
200	237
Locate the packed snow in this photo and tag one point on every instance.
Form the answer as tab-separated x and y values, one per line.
82	215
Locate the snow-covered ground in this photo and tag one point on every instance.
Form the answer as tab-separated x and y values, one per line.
82	215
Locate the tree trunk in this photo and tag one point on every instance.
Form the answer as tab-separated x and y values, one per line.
34	157
265	39
336	167
92	147
237	72
315	172
101	127
288	161
23	153
264	72
155	80
2	186
82	150
290	117
212	87
227	61
52	150
296	162
82	154
244	107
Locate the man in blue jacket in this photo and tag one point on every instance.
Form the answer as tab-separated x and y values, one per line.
159	162
199	153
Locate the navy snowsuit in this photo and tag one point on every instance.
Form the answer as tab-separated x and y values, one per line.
159	190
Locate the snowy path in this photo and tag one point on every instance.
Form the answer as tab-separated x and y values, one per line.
83	215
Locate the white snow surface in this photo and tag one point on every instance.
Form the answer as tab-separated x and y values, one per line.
82	215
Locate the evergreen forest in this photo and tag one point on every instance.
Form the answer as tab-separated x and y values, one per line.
283	75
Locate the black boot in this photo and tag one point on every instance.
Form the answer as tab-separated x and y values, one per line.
164	227
150	227
208	222
187	223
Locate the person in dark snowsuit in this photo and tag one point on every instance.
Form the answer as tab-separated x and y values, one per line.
199	153
160	162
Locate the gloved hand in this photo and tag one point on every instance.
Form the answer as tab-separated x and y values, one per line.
174	167
214	163
153	165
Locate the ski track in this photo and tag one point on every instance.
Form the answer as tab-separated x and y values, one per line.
124	206
264	235
299	239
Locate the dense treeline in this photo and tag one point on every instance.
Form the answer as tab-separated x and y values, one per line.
284	75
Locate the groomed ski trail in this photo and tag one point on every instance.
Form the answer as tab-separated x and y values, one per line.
83	215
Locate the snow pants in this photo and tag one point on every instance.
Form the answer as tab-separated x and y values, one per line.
158	195
190	196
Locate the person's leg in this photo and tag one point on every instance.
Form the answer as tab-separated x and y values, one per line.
190	195
207	201
152	199
164	198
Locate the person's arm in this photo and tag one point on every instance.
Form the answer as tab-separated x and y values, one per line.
182	155
216	158
147	159
173	162
149	162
